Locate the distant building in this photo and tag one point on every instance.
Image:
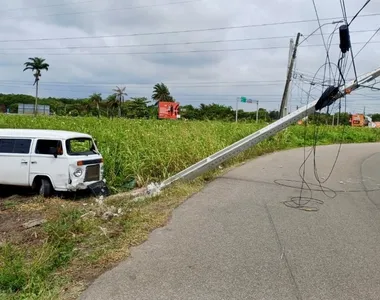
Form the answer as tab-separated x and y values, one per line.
28	109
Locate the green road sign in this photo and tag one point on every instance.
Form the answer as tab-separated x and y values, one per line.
243	99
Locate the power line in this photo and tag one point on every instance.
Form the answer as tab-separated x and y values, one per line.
177	31
320	28
85	88
343	6
354	17
369	40
171	83
103	89
47	6
152	45
371	88
175	84
172	52
195	96
105	10
164	44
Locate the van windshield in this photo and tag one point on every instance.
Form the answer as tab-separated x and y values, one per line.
80	146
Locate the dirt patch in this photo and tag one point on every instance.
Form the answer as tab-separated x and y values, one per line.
11	226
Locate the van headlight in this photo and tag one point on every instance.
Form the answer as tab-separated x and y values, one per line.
78	172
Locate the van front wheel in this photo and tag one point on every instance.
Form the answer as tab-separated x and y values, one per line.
46	188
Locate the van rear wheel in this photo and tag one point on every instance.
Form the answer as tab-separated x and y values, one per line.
46	188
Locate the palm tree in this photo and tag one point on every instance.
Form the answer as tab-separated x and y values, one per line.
112	103
96	99
36	64
120	93
161	93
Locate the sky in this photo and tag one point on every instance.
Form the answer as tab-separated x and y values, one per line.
205	51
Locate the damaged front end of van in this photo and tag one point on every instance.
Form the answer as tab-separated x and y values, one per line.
88	174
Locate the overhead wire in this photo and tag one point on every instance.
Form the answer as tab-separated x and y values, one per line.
164	52
256	25
47	6
354	17
183	83
320	28
345	17
316	133
176	31
343	7
368	41
168	44
302	202
104	10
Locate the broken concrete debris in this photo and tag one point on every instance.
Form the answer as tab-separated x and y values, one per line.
33	223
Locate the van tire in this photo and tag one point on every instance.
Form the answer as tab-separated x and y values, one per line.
46	188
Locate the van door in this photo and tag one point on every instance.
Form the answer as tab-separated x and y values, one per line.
44	163
14	161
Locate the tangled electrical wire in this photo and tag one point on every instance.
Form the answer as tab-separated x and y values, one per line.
330	88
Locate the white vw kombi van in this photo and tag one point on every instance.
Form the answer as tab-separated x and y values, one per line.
49	160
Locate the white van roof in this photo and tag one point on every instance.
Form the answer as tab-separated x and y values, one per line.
42	133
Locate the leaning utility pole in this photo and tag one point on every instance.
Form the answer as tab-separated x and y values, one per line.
213	161
284	102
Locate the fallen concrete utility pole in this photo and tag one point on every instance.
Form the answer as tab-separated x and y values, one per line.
213	161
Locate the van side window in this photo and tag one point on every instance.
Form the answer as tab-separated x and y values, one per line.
43	146
19	146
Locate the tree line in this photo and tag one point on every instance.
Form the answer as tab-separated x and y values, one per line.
136	108
140	107
115	104
115	101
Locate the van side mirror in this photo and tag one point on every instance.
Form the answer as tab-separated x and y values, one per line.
53	151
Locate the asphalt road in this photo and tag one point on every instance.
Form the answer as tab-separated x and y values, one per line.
237	239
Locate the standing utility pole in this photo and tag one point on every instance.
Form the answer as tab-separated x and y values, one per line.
284	102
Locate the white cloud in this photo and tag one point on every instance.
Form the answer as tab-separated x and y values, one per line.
43	19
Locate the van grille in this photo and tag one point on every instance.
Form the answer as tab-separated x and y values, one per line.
92	173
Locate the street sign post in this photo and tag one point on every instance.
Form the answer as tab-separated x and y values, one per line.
245	100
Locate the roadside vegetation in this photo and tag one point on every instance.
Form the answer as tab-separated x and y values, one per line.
137	152
78	240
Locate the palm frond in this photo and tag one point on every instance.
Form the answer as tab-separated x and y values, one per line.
36	64
28	68
44	66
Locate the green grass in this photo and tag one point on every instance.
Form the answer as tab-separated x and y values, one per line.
25	272
152	150
73	248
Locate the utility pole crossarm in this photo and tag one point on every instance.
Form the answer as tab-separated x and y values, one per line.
214	160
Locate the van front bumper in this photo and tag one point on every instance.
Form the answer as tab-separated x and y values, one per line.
98	188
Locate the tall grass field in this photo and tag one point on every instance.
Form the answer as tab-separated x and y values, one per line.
141	151
60	258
